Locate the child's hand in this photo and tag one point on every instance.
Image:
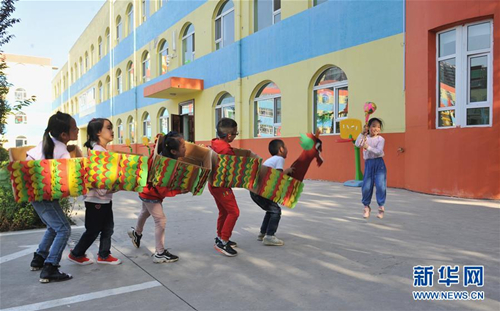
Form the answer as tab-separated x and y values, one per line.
365	130
288	171
365	145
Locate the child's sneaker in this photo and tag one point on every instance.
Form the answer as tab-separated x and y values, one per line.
261	236
271	240
37	262
225	249
231	243
110	260
51	273
83	261
136	238
164	257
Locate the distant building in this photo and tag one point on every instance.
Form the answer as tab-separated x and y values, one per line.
29	76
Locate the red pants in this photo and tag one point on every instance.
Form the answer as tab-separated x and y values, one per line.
228	211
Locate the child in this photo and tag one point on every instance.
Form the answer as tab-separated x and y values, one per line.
98	205
60	130
173	146
278	151
227	130
375	171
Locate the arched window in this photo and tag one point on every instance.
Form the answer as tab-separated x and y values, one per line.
163	121
145	9
163	57
72	77
107	46
188	47
267	113
20	118
99	48
21	141
119	84
130	19
92	59
146	70
118	29
108	88
131	129
146	125
101	92
130	76
119	129
266	13
20	94
224	25
224	108
331	97
81	68
86	61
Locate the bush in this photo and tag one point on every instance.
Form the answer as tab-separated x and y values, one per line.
21	216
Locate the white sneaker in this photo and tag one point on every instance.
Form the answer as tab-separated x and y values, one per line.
271	240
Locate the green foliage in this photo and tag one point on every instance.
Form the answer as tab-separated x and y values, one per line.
20	216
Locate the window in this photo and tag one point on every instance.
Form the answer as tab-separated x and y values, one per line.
119	129
91	55
224	25
188	47
266	13
81	67
145	10
118	29
130	18
464	76
131	129
119	84
130	79
267	113
146	71
318	2
108	42
108	88
101	92
225	108
146	125
163	57
86	61
330	96
20	118
72	78
99	51
163	120
20	94
21	141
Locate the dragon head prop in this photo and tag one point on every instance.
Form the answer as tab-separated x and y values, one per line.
313	146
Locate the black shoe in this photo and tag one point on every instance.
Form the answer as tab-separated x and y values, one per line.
51	273
136	238
231	243
164	257
37	262
225	249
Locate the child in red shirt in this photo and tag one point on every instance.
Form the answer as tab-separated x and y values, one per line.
227	130
173	146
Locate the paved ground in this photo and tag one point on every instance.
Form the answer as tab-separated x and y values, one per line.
333	259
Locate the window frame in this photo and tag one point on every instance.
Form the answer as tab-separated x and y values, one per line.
221	16
184	43
161	50
130	19
163	117
220	107
20	94
335	86
119	129
462	76
146	120
146	59
275	98
119	82
119	30
130	75
130	129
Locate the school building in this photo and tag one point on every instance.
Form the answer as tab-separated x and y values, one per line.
282	68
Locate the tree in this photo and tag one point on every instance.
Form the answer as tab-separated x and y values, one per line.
6	21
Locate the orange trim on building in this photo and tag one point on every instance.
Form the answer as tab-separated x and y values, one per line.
173	86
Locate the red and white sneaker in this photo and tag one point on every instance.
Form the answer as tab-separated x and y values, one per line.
108	261
82	261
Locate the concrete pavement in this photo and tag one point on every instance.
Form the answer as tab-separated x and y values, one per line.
333	259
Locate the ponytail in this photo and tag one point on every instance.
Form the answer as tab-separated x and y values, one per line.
58	123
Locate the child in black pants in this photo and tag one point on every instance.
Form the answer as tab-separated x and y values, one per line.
278	151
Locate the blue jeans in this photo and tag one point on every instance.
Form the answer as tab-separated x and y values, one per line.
375	174
58	230
273	214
